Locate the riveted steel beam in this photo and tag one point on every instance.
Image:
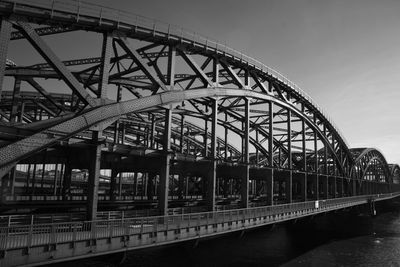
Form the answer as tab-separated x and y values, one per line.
151	74
193	65
44	93
5	32
105	65
55	62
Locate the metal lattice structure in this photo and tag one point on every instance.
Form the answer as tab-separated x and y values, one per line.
162	102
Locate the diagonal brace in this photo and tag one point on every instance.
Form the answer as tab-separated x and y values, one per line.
189	60
151	74
55	62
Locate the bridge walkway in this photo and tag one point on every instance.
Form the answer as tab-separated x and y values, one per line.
48	243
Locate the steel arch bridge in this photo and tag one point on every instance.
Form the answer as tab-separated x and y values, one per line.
157	118
163	103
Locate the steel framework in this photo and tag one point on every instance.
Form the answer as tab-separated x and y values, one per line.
166	106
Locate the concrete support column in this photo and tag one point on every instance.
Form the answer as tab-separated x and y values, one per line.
94	174
165	165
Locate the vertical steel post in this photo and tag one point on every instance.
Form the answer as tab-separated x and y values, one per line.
257	152
16	100
120	185
289	179
304	152
245	152
55	180
205	137
226	137
270	178
66	186
171	67
95	159
212	172
105	65
5	32
181	142
94	176
33	185
113	177
165	165
215	77
316	185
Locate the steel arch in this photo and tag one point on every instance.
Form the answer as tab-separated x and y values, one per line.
150	75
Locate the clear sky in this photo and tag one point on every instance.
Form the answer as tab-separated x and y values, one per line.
345	54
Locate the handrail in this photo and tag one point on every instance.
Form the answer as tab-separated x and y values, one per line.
157	27
26	236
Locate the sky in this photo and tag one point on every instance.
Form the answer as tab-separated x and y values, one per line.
344	53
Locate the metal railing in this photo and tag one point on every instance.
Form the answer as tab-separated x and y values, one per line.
137	23
14	237
32	219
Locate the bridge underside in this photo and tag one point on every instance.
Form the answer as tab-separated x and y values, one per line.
159	121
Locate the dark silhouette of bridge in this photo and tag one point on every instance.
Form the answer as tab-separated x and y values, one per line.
166	136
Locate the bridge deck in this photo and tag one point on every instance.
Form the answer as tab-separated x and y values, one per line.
46	243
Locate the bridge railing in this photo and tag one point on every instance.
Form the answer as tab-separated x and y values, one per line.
14	237
162	29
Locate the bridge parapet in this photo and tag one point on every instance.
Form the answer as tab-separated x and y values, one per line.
61	241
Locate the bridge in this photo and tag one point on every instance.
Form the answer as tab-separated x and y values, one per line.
163	136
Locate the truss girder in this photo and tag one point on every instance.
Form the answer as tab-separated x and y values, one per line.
54	61
143	75
369	158
45	138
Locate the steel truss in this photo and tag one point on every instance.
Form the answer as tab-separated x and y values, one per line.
188	100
